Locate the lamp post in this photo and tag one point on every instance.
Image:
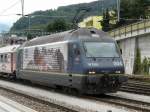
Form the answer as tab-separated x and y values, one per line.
29	24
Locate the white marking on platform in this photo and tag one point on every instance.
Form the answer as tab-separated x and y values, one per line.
132	96
7	105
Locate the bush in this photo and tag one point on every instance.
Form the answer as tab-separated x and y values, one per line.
145	66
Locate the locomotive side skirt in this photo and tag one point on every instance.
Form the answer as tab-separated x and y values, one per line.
91	84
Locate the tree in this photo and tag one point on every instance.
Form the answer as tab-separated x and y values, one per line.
132	11
105	22
145	66
30	36
137	62
57	26
49	27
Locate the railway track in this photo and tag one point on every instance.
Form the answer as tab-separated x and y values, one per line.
38	104
128	103
137	87
48	106
7	105
115	100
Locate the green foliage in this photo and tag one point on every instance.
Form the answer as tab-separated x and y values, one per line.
137	62
146	66
40	18
57	26
132	11
49	27
30	36
105	22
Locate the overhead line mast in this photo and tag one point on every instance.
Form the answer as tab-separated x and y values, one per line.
22	6
118	10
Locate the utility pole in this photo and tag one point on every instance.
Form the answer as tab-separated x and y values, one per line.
29	17
118	10
102	6
22	6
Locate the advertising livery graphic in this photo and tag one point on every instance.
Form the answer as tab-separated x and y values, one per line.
44	58
5	63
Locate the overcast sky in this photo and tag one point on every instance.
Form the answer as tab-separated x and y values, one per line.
9	8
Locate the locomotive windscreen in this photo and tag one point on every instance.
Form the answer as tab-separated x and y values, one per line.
100	49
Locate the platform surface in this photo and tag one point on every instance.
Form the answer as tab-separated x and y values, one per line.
7	105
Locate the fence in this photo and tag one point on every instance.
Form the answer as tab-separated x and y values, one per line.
143	25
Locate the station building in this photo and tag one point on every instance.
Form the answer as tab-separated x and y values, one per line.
11	40
92	21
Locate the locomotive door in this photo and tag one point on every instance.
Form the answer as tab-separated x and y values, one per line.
70	58
74	58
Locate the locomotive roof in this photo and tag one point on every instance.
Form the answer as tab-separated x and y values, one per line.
81	33
9	49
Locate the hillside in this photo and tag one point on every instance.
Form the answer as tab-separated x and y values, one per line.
40	19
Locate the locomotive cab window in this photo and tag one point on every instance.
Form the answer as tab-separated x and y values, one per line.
100	49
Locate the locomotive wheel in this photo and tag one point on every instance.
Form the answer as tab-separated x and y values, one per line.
71	91
11	76
65	89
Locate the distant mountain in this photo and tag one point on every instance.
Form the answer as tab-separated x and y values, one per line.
40	22
4	27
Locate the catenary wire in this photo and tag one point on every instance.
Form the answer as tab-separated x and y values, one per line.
11	6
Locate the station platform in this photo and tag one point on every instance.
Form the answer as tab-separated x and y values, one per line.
7	105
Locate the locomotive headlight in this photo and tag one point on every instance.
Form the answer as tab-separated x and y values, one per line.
92	72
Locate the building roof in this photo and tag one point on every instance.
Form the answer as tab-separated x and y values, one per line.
9	49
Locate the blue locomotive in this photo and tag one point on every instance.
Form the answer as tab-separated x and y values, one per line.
85	60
